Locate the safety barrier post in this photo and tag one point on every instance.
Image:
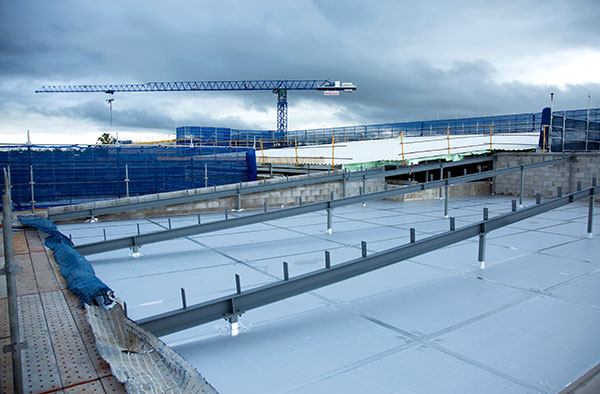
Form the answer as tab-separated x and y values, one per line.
522	184
205	175
296	149
544	139
563	132
402	145
332	151
126	180
10	270
446	195
481	253
31	183
591	210
441	177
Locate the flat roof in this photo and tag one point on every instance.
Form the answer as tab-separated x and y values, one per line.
436	323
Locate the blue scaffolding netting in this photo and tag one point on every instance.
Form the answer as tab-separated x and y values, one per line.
77	271
72	174
582	125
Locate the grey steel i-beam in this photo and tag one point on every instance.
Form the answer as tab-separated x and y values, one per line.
243	301
143	239
166	201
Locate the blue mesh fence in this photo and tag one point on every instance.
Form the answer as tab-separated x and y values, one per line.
512	123
575	131
64	175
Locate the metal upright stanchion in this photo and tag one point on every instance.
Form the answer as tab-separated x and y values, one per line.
126	180
11	287
31	183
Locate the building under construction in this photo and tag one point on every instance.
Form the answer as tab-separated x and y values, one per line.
459	257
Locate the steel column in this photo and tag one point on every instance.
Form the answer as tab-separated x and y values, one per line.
521	185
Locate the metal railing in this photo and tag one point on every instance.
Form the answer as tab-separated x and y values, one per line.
136	241
241	190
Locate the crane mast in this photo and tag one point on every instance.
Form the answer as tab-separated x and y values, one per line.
279	87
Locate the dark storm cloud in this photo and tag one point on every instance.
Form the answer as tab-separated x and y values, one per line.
410	60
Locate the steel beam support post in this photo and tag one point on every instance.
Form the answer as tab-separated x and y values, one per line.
446	194
590	224
481	253
521	185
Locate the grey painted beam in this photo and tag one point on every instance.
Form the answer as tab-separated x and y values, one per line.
139	240
243	301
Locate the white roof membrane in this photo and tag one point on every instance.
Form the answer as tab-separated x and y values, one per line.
437	323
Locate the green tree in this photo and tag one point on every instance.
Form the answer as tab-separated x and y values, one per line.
106	139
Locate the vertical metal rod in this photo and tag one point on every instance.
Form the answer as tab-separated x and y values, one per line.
300	200
452	224
514	206
494	178
413	237
522	184
205	175
446	187
441	177
327	259
344	185
11	285
364	183
104	232
486	214
239	200
238	284
199	222
31	183
590	217
265	206
169	220
286	273
360	190
481	254
126	180
329	220
571	171
363	247
538	198
183	300
138	228
225	213
125	308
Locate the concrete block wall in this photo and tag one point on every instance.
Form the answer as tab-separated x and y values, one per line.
546	180
460	190
285	197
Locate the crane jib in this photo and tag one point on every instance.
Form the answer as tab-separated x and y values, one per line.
280	87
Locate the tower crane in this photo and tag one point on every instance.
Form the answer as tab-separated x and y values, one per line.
279	87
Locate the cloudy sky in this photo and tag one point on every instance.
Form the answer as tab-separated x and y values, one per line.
410	60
